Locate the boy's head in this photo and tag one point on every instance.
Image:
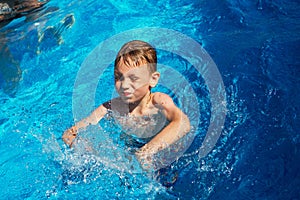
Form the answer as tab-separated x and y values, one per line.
135	71
137	53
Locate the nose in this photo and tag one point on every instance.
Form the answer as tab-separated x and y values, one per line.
125	83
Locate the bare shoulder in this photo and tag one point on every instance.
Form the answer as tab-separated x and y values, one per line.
167	105
162	100
102	108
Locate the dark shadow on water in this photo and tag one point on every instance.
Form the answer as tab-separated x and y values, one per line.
10	71
15	15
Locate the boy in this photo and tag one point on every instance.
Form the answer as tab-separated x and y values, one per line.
136	107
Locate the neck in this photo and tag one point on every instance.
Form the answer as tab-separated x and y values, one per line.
140	105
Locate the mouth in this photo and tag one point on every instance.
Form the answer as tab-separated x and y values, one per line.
126	94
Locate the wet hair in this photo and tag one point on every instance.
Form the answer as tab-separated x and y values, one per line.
136	53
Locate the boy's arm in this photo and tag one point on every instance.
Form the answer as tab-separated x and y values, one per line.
178	127
70	134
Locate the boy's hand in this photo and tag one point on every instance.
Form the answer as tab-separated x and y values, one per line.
69	135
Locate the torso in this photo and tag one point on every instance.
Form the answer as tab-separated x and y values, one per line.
140	128
145	126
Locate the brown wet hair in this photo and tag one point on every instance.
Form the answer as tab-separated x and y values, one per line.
136	53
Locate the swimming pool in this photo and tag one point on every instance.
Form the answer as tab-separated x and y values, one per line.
255	46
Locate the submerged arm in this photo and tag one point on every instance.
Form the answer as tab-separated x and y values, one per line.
70	134
178	127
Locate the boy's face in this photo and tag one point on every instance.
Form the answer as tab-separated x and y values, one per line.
133	83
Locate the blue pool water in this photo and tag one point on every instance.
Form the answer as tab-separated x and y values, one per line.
254	44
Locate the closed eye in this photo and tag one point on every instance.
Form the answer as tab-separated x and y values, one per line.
134	78
118	77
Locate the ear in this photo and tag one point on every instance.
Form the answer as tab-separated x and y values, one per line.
154	79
